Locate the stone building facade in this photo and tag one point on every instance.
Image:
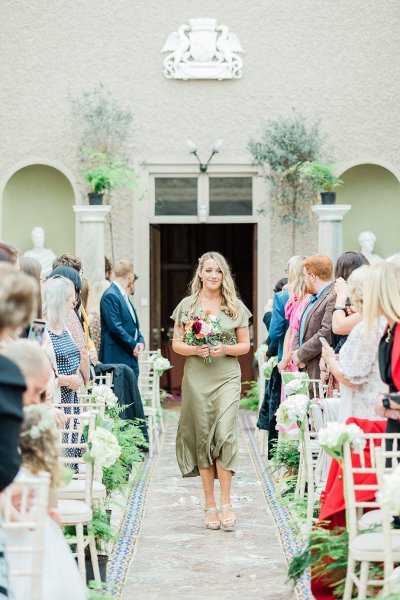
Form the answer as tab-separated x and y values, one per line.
333	61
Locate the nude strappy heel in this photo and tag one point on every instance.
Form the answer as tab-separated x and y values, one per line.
212	524
228	524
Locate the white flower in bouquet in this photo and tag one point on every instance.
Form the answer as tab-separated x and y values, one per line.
260	353
297	407
161	364
293	411
333	437
105	393
268	366
389	491
294	386
105	448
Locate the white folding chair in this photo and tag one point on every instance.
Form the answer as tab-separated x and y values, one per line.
75	490
380	546
79	512
29	529
149	390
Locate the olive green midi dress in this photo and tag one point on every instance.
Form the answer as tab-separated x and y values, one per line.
207	427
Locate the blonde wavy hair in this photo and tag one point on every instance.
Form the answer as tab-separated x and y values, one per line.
296	285
40	451
382	292
355	287
229	294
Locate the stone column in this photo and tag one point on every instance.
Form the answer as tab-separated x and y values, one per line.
89	228
330	228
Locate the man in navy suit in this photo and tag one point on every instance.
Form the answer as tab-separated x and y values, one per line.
121	340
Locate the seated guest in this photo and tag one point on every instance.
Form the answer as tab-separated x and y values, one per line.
121	340
60	578
358	367
93	310
316	320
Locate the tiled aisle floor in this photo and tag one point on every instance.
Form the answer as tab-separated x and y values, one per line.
178	559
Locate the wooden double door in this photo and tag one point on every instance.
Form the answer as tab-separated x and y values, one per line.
175	250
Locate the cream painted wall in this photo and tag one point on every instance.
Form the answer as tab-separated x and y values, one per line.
333	61
39	196
374	194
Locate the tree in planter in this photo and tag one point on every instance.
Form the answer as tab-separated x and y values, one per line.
284	143
103	126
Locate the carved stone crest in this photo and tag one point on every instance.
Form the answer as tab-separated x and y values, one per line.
203	50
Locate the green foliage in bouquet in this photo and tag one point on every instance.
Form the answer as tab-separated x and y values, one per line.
250	395
131	441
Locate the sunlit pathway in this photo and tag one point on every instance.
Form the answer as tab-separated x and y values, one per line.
177	558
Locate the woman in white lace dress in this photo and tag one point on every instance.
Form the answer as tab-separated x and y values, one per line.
357	369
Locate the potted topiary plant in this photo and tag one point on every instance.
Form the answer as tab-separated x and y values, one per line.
105	173
322	179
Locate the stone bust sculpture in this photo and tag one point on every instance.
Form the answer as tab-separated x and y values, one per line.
44	255
367	240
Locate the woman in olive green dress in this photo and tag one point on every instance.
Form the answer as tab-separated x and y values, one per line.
206	442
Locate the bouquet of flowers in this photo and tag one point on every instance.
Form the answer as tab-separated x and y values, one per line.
260	353
104	392
333	437
206	329
161	364
268	366
293	411
104	447
295	383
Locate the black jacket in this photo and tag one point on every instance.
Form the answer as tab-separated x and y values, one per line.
12	386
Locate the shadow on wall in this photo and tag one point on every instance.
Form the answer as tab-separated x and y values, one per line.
39	195
374	194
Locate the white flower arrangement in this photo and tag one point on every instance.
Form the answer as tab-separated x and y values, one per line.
161	364
389	491
295	383
260	353
293	411
105	393
104	448
267	367
333	437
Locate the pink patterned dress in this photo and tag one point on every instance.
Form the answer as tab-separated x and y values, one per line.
293	311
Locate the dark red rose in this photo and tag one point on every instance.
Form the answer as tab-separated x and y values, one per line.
196	327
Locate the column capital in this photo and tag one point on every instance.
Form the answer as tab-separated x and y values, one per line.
331	212
91	214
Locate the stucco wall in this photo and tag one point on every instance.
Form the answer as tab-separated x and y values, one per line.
336	61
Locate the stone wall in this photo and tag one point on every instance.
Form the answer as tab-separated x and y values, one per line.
334	61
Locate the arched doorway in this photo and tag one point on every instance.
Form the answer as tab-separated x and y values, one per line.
374	194
39	195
